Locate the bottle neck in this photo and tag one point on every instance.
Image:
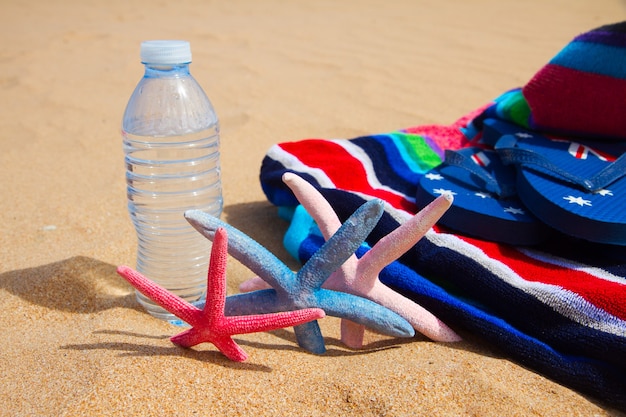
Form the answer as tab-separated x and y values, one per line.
163	71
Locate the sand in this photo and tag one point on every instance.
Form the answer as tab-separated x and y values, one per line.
75	341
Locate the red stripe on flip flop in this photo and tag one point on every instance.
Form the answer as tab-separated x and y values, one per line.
580	152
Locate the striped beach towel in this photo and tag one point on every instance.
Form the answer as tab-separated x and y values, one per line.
559	309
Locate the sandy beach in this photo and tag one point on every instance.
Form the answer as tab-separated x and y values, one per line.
76	342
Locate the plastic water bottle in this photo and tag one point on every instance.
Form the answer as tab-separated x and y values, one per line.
171	144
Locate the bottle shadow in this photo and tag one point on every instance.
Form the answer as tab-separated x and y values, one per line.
77	285
81	284
86	285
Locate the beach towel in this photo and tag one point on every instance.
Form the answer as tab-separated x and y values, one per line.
558	309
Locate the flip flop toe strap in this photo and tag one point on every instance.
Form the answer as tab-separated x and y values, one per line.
491	185
510	153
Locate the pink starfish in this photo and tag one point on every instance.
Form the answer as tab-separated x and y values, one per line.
360	276
210	324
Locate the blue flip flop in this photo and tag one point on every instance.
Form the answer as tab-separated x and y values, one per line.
485	204
576	187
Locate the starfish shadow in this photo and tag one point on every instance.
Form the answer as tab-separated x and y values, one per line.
128	349
335	347
130	334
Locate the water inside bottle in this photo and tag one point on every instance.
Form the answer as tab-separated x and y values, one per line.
165	177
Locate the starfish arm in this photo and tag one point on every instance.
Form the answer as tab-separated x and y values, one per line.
188	338
314	203
170	302
256	302
230	348
341	245
365	312
266	322
224	343
309	337
352	334
421	319
216	280
245	249
396	243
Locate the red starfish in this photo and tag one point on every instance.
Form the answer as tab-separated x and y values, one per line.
210	324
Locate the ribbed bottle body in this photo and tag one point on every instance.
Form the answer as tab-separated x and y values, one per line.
171	144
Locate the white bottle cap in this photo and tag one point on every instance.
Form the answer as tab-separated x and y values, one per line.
165	52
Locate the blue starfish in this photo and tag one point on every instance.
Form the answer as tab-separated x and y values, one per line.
293	291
